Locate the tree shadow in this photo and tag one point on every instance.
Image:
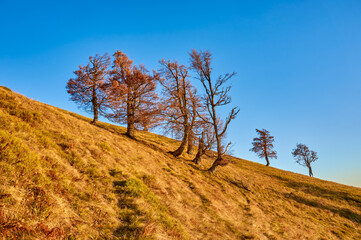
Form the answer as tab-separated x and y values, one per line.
150	145
246	185
110	129
343	212
313	189
194	166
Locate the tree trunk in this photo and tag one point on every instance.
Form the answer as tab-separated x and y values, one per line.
197	159
267	160
95	106
183	145
190	142
215	164
130	117
95	118
310	171
219	148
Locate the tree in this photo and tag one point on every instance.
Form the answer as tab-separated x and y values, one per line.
263	145
216	95
133	94
177	100
304	156
88	89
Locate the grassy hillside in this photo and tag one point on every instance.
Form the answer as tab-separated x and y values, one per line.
63	178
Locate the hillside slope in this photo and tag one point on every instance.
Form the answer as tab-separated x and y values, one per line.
63	178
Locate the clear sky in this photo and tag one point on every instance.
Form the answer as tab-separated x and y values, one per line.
298	63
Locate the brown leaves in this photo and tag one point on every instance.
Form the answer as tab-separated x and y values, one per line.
132	93
88	88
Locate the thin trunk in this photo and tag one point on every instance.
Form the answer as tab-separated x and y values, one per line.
215	164
219	151
183	109
95	106
215	126
130	117
191	132
183	145
219	154
190	142
267	160
310	171
200	152
95	119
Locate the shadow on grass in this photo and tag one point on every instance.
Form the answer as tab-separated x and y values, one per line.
315	190
343	212
110	128
152	146
195	166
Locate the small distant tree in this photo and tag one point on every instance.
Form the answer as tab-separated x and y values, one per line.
263	145
216	95
88	88
176	101
304	156
133	98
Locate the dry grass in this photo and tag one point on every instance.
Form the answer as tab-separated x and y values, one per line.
63	178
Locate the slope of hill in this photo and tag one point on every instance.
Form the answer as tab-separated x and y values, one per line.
63	178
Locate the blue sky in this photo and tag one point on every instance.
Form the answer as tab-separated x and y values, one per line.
298	63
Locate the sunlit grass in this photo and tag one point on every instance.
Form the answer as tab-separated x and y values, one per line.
64	178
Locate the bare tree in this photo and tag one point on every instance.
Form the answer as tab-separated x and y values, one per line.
88	89
216	95
304	156
263	145
176	101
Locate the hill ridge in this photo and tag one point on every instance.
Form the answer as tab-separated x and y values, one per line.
64	178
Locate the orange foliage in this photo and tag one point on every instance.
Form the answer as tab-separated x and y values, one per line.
88	89
133	99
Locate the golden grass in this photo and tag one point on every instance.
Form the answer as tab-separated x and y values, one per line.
64	178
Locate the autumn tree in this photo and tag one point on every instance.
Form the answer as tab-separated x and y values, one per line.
304	156
133	96
263	145
216	95
177	100
88	88
149	117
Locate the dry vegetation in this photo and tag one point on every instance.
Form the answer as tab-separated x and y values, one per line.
64	178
